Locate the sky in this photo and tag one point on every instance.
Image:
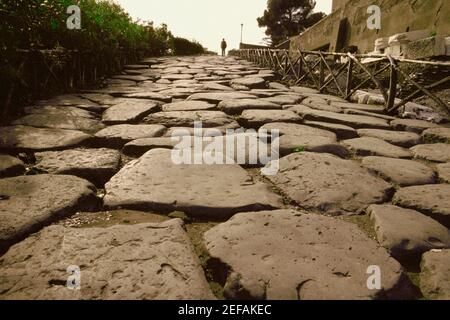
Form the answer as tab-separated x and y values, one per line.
208	21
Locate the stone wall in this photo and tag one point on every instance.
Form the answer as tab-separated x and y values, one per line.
351	16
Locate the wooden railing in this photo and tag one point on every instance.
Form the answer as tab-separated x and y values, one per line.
324	71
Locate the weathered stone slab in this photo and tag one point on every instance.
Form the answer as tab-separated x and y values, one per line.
314	143
407	233
140	146
444	171
437	152
367	146
10	166
201	190
354	121
250	82
370	114
399	171
435	275
284	99
216	97
237	106
118	135
95	165
329	184
278	86
24	138
437	135
30	202
151	261
257	118
188	118
290	255
61	120
71	100
294	129
188	106
172	77
342	131
149	95
128	112
304	90
431	200
412	125
398	138
356	106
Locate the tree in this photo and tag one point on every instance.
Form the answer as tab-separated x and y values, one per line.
287	18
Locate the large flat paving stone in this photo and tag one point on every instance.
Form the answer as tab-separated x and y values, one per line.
217	97
151	261
258	118
128	112
437	152
295	129
399	138
61	120
357	106
188	106
237	106
354	121
155	182
28	203
342	131
188	118
399	171
25	138
329	184
367	146
149	95
431	200
407	233
72	100
437	135
249	82
412	125
118	135
10	166
313	143
289	255
284	99
435	275
95	165
443	170
140	146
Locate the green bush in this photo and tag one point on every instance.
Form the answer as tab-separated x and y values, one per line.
183	47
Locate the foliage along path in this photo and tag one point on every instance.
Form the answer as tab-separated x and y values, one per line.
88	182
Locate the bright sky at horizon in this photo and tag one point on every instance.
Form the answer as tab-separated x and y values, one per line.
208	21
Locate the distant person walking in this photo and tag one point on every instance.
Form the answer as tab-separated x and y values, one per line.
223	45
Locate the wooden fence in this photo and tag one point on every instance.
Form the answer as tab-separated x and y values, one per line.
325	71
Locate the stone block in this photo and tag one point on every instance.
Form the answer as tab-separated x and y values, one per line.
425	48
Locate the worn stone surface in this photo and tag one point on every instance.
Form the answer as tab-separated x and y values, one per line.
435	275
437	135
407	233
342	131
10	166
398	138
367	146
151	261
313	143
292	255
95	165
237	106
128	112
443	170
118	135
188	106
25	138
412	125
149	95
399	171
216	97
250	82
431	199
140	146
437	152
284	99
30	202
188	118
294	129
257	118
356	106
329	184
194	189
